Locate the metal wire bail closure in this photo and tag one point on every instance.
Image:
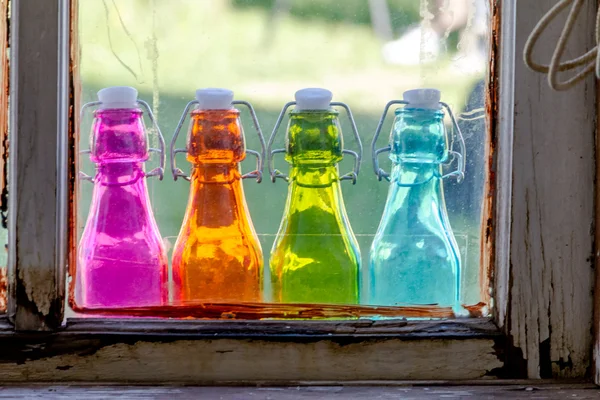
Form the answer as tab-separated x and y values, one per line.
353	175
459	173
158	171
257	173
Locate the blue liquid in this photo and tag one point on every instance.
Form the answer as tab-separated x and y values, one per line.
414	257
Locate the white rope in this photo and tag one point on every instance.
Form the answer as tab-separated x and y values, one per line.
590	60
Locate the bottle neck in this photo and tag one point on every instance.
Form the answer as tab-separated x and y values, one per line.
314	176
415	192
118	135
315	202
120	173
419	135
418	175
215	137
120	202
206	173
216	197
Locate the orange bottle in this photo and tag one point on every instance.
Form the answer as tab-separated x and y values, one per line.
217	256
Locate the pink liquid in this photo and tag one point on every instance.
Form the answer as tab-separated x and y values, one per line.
121	258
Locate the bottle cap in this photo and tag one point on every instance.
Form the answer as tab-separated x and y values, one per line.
118	97
313	99
423	98
214	99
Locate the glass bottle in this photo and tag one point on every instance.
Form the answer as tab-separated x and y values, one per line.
121	260
414	257
315	257
217	256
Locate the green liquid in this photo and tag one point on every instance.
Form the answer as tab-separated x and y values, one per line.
315	257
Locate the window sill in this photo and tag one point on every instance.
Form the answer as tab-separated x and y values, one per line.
275	352
190	329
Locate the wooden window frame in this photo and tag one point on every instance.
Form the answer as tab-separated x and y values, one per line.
542	259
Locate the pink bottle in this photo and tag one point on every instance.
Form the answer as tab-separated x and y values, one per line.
121	259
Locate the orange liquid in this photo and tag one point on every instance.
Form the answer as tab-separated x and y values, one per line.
217	256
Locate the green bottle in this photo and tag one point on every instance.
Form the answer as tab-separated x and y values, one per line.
315	257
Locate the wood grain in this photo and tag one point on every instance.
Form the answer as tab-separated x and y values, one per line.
544	300
551	280
307	330
501	126
596	352
147	359
34	141
224	352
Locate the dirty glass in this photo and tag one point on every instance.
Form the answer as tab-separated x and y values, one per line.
366	52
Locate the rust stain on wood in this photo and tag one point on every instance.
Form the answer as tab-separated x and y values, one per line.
478	310
488	252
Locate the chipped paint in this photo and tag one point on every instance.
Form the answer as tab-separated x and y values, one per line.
488	253
550	302
108	358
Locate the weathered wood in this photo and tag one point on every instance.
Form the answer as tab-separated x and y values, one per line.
211	352
551	280
503	38
37	217
65	149
459	328
149	359
596	352
548	292
406	392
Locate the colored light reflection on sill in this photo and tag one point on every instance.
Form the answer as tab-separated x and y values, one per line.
258	311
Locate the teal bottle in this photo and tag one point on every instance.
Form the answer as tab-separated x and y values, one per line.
414	258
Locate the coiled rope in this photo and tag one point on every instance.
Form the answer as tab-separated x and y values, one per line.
590	60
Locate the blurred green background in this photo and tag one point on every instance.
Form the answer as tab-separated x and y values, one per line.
168	49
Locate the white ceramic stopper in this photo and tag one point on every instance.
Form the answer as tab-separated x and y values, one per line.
313	99
118	97
214	99
423	98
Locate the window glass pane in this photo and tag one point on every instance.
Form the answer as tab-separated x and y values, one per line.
366	53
